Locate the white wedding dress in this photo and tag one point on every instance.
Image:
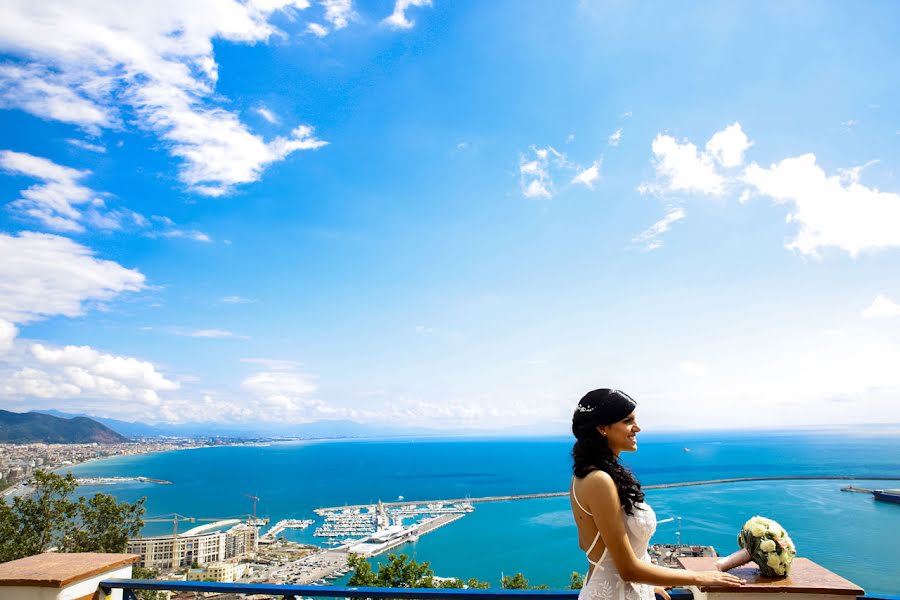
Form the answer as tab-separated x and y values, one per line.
604	582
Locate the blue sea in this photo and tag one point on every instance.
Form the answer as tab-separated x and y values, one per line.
850	534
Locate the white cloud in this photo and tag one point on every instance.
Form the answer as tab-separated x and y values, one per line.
210	333
829	210
692	368
53	201
85	61
615	138
728	146
570	138
87	146
285	394
423	330
649	238
682	168
188	234
81	371
536	189
236	300
40	91
338	12
398	18
267	114
42	275
167	228
588	176
317	30
882	306
8	333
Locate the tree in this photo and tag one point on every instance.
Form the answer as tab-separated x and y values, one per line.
399	572
514	582
576	581
49	518
402	571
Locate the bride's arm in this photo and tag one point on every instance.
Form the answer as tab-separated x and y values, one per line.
603	501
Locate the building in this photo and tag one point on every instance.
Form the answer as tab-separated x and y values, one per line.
164	551
218	571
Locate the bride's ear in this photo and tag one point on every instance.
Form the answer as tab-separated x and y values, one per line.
601	429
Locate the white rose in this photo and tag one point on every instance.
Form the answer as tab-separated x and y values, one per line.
777	533
767	545
772	560
758	530
779	570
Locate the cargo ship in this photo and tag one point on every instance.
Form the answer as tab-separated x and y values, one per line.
887	495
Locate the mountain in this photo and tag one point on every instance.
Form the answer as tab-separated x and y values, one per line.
317	429
24	428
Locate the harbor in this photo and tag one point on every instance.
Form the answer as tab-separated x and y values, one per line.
659	486
269	536
119	480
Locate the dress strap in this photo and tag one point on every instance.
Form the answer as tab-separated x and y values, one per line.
586	511
587	552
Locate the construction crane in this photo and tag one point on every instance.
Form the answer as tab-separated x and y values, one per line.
254	523
255	500
175	518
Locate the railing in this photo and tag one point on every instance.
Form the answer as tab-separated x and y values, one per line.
295	592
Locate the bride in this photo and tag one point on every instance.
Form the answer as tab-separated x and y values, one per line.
614	523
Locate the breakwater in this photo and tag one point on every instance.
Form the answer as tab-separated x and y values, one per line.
646	487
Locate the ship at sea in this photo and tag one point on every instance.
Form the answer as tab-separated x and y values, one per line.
887	495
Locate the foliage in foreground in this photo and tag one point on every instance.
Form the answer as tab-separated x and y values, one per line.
403	572
50	518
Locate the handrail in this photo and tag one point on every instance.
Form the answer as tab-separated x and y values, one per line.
299	591
277	589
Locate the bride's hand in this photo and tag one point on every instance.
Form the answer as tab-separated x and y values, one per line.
662	593
717	578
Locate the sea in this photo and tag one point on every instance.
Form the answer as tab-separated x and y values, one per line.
848	533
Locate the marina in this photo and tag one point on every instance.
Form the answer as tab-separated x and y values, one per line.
384	523
271	534
119	480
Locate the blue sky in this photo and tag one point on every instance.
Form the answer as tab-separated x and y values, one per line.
451	214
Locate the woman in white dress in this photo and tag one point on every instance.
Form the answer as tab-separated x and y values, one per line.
614	523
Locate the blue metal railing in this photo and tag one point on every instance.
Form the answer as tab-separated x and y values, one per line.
293	592
300	591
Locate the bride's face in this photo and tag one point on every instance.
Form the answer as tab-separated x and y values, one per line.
621	436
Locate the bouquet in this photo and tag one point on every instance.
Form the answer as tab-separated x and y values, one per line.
766	543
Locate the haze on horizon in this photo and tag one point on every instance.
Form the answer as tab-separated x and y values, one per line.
454	216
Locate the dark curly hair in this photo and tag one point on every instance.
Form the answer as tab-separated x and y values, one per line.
591	451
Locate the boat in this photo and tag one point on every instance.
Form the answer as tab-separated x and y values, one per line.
887	496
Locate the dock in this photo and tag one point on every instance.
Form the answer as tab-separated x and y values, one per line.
117	480
658	486
280	526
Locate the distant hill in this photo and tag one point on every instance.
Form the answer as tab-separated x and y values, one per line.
318	429
24	428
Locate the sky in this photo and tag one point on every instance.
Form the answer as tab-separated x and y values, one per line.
451	215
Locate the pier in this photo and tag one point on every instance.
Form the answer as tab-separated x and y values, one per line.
658	486
280	526
117	480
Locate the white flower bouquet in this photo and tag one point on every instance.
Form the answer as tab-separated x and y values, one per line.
766	543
